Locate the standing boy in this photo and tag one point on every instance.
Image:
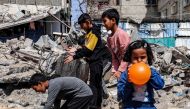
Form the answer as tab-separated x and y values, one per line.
92	50
76	92
117	42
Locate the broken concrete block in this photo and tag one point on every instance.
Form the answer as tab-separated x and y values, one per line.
187	106
179	55
28	42
17	16
178	61
160	49
167	57
182	75
18	68
12	42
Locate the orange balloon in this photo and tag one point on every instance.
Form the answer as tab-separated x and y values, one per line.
139	73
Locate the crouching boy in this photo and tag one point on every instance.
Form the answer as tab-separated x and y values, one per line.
76	92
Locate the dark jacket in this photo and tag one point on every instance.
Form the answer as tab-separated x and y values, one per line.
93	47
126	89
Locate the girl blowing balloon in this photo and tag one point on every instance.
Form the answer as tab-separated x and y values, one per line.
135	92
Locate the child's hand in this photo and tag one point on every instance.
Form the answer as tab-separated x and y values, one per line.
117	74
129	73
68	59
71	49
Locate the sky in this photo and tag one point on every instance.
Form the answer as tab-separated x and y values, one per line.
75	10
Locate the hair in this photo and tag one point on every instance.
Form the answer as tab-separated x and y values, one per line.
111	13
83	17
136	45
37	78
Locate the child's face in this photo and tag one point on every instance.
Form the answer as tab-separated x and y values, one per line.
139	55
39	88
108	23
85	25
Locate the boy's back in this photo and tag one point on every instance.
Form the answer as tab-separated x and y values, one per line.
66	88
69	87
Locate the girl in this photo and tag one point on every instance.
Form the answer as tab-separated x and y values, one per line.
139	97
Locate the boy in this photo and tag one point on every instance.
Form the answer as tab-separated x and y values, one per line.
92	50
117	42
76	92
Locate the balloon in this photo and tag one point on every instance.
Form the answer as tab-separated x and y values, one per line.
139	73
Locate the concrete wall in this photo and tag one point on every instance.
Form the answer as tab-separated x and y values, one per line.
185	11
162	3
138	9
182	11
135	9
165	6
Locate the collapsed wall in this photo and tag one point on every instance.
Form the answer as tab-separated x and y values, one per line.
21	58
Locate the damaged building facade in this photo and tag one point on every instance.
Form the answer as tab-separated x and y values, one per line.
26	48
148	19
31	18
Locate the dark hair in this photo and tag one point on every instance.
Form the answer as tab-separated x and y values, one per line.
83	17
111	13
139	44
37	78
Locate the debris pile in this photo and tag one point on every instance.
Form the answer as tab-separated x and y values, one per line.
174	66
20	58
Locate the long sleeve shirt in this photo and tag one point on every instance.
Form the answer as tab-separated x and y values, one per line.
65	88
92	45
131	97
117	45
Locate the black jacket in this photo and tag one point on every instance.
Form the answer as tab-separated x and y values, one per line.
93	48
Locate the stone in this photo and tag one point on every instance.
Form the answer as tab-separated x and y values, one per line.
28	42
167	57
178	61
182	75
179	55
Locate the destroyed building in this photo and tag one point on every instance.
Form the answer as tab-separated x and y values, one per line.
28	45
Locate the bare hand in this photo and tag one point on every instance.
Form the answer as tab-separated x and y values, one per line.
117	74
68	59
129	79
71	49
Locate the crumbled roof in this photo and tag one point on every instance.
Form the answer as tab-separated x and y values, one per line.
14	14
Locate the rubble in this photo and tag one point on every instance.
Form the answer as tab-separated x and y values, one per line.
15	14
21	58
174	66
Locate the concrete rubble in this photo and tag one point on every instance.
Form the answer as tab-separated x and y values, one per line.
15	14
20	58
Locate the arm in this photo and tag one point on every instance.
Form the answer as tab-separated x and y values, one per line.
114	60
121	86
124	87
53	91
156	81
89	47
124	41
82	52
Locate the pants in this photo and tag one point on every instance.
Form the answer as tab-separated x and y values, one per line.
106	67
96	69
77	103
